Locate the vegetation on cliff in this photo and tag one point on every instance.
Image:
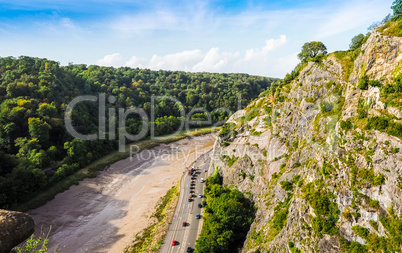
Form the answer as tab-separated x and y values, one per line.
324	167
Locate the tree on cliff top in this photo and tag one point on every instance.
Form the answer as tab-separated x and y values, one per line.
357	42
311	50
397	7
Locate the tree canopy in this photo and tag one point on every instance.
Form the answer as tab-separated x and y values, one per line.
357	42
228	216
397	7
36	150
311	50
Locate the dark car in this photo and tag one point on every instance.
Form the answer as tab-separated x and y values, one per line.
198	216
189	249
200	205
189	199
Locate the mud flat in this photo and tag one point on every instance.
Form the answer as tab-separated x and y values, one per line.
103	214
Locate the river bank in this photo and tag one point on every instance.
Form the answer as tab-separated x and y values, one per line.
102	214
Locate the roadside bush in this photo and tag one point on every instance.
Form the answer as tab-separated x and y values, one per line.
227	218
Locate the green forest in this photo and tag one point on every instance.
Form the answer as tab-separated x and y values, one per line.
227	218
36	151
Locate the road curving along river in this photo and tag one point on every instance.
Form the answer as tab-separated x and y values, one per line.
103	214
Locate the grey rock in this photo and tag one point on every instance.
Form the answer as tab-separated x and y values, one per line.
15	227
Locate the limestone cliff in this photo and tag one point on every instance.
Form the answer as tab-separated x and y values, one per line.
15	227
322	158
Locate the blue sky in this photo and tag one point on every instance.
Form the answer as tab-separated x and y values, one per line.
254	37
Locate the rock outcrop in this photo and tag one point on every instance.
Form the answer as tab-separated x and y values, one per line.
321	178
15	227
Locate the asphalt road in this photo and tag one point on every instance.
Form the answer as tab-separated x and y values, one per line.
186	211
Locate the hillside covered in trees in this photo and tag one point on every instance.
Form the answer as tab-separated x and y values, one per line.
36	151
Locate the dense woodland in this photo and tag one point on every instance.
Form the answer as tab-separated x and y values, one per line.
227	218
36	151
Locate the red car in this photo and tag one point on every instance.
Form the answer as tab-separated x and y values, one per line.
174	242
184	223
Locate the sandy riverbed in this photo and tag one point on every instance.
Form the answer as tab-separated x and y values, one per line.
103	214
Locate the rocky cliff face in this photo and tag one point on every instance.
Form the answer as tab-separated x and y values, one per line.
324	173
15	227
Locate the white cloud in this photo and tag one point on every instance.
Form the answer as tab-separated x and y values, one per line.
215	61
254	61
179	61
114	60
270	45
136	62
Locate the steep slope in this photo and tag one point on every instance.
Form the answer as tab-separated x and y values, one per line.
321	157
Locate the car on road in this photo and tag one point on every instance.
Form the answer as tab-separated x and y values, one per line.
184	224
189	249
189	199
190	195
198	216
200	195
174	242
199	205
202	180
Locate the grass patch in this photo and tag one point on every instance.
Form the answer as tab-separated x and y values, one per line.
229	160
392	28
346	59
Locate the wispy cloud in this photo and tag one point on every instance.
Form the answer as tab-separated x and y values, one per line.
198	35
349	16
